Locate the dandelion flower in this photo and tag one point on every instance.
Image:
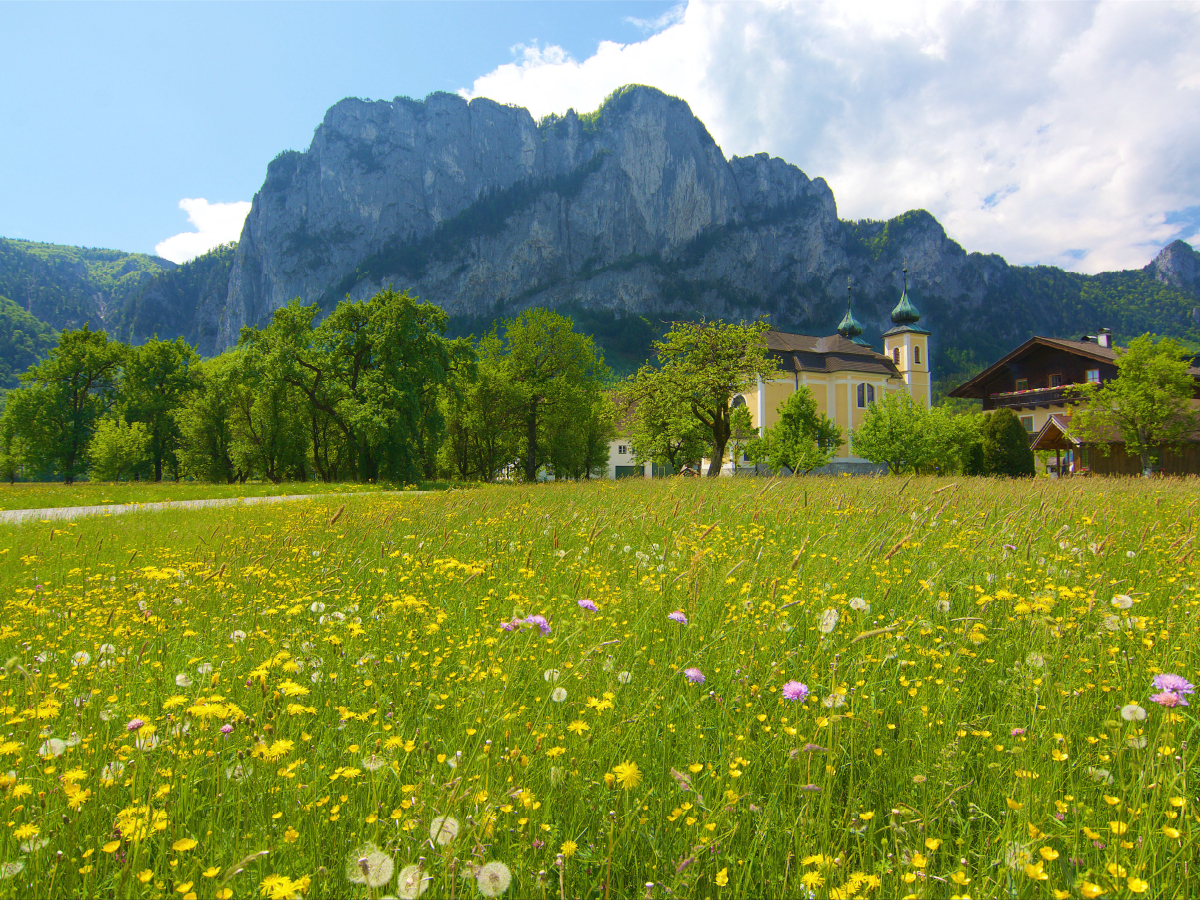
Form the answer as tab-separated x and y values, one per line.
1132	712
443	829
943	606
624	677
578	727
80	659
369	866
183	681
829	620
558	695
678	616
493	878
551	675
52	747
628	775
316	606
694	675
1122	601
795	690
412	883
568	849
237	636
860	605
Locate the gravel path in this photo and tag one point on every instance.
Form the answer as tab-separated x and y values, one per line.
17	516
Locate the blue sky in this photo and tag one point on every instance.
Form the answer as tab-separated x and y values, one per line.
1061	133
111	113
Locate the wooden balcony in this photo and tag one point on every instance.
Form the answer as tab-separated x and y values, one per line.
1032	399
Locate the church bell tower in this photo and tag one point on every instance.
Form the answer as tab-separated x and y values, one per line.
908	347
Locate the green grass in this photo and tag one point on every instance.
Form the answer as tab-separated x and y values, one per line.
46	495
964	735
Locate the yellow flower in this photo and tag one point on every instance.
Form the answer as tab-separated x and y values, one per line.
1091	835
568	849
867	816
628	774
723	877
183	845
919	861
578	727
145	875
1013	804
290	835
1049	854
224	893
1116	870
25	831
212	872
1137	885
1172	833
932	844
1118	827
1089	890
183	888
1060	895
1112	801
960	878
695	767
1035	872
111	847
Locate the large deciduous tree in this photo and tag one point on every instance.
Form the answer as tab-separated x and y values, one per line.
1148	404
894	432
62	398
159	376
702	367
1006	449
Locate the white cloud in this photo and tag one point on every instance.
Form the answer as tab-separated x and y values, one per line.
1057	133
215	224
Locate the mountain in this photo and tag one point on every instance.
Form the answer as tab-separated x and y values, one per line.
65	287
624	218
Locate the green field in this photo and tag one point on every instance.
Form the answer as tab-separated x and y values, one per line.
45	495
287	701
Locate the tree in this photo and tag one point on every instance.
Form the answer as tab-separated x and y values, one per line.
1006	449
120	448
550	368
1148	404
481	411
661	430
955	444
803	439
205	422
14	447
742	434
895	432
159	376
62	398
702	367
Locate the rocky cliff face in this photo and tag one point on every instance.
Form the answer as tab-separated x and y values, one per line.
630	211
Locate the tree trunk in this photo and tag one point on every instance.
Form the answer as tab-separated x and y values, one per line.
531	443
718	457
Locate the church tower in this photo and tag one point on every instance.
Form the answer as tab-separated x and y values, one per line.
908	346
850	328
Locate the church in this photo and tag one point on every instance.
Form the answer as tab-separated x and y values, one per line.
845	374
843	371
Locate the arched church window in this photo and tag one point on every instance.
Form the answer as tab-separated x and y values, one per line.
896	355
870	394
917	355
739	400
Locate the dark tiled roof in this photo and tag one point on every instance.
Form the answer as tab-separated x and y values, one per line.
833	353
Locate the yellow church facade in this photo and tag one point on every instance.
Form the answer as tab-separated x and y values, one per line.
845	374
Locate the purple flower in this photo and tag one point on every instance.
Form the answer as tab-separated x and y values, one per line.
1168	699
1012	547
134	724
1016	732
587	604
510	626
795	690
1176	684
226	728
678	616
694	675
540	622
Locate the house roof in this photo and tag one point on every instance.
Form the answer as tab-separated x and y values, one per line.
833	353
973	389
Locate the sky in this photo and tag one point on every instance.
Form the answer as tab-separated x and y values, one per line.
1061	133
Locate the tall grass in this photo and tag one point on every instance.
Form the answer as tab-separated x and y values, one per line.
977	658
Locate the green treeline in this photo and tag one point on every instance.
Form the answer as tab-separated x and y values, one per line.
374	392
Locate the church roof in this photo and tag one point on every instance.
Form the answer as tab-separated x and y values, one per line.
833	353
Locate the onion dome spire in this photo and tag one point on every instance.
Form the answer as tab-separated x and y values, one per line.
850	328
905	313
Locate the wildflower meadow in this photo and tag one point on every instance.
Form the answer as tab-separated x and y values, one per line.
833	688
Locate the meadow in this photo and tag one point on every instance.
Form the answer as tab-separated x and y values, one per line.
866	687
51	495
